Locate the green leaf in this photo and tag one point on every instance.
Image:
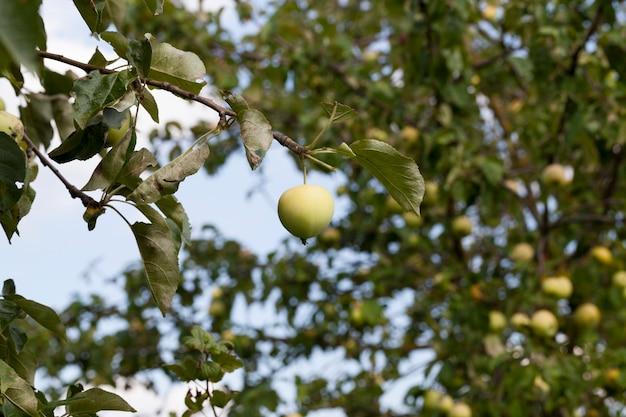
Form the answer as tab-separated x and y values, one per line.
81	144
175	212
94	400
140	55
91	12
12	171
22	31
166	180
42	314
8	287
96	91
399	174
17	390
155	6
186	371
221	398
256	134
36	118
138	162
110	167
235	101
159	256
118	41
180	68
149	103
342	112
227	361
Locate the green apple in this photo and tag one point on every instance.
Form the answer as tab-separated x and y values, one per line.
541	384
376	133
437	401
490	12
116	135
619	279
431	192
497	321
555	175
460	410
587	315
519	320
522	252
602	254
462	226
544	323
3	106
12	126
306	210
217	308
330	236
411	219
560	287
409	134
392	206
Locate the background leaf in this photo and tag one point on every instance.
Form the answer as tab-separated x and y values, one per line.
256	134
22	31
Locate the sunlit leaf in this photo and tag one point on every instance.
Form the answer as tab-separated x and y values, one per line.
95	92
180	68
17	390
399	174
42	314
96	399
166	180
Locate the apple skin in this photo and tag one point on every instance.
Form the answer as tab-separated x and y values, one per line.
3	106
522	252
519	320
116	135
431	192
554	175
460	410
587	315
462	226
544	323
619	279
560	287
602	254
497	321
409	134
306	210
12	126
437	401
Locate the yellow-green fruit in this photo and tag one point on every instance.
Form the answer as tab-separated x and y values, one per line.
409	133
437	401
544	323
412	219
462	226
115	135
12	126
522	252
497	321
460	410
587	315
560	287
519	320
330	236
619	279
3	106
431	192
541	384
602	254
306	210
554	174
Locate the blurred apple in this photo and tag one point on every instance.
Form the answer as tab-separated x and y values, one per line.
431	192
619	279
519	320
522	252
541	384
460	410
411	219
409	134
462	226
544	323
587	315
497	321
560	287
555	174
437	401
602	254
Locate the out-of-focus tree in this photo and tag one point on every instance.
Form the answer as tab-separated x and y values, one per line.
504	298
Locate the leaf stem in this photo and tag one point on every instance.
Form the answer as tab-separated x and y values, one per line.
331	118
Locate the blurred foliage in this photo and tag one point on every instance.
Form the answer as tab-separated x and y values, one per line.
483	95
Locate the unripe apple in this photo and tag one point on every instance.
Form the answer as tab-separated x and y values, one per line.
497	321
619	279
217	308
460	410
116	135
392	206
376	133
409	134
519	320
12	126
431	192
611	378
330	236
306	210
560	287
437	401
462	226
541	384
602	254
411	219
490	12
3	106
522	252
587	315
544	323
554	174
